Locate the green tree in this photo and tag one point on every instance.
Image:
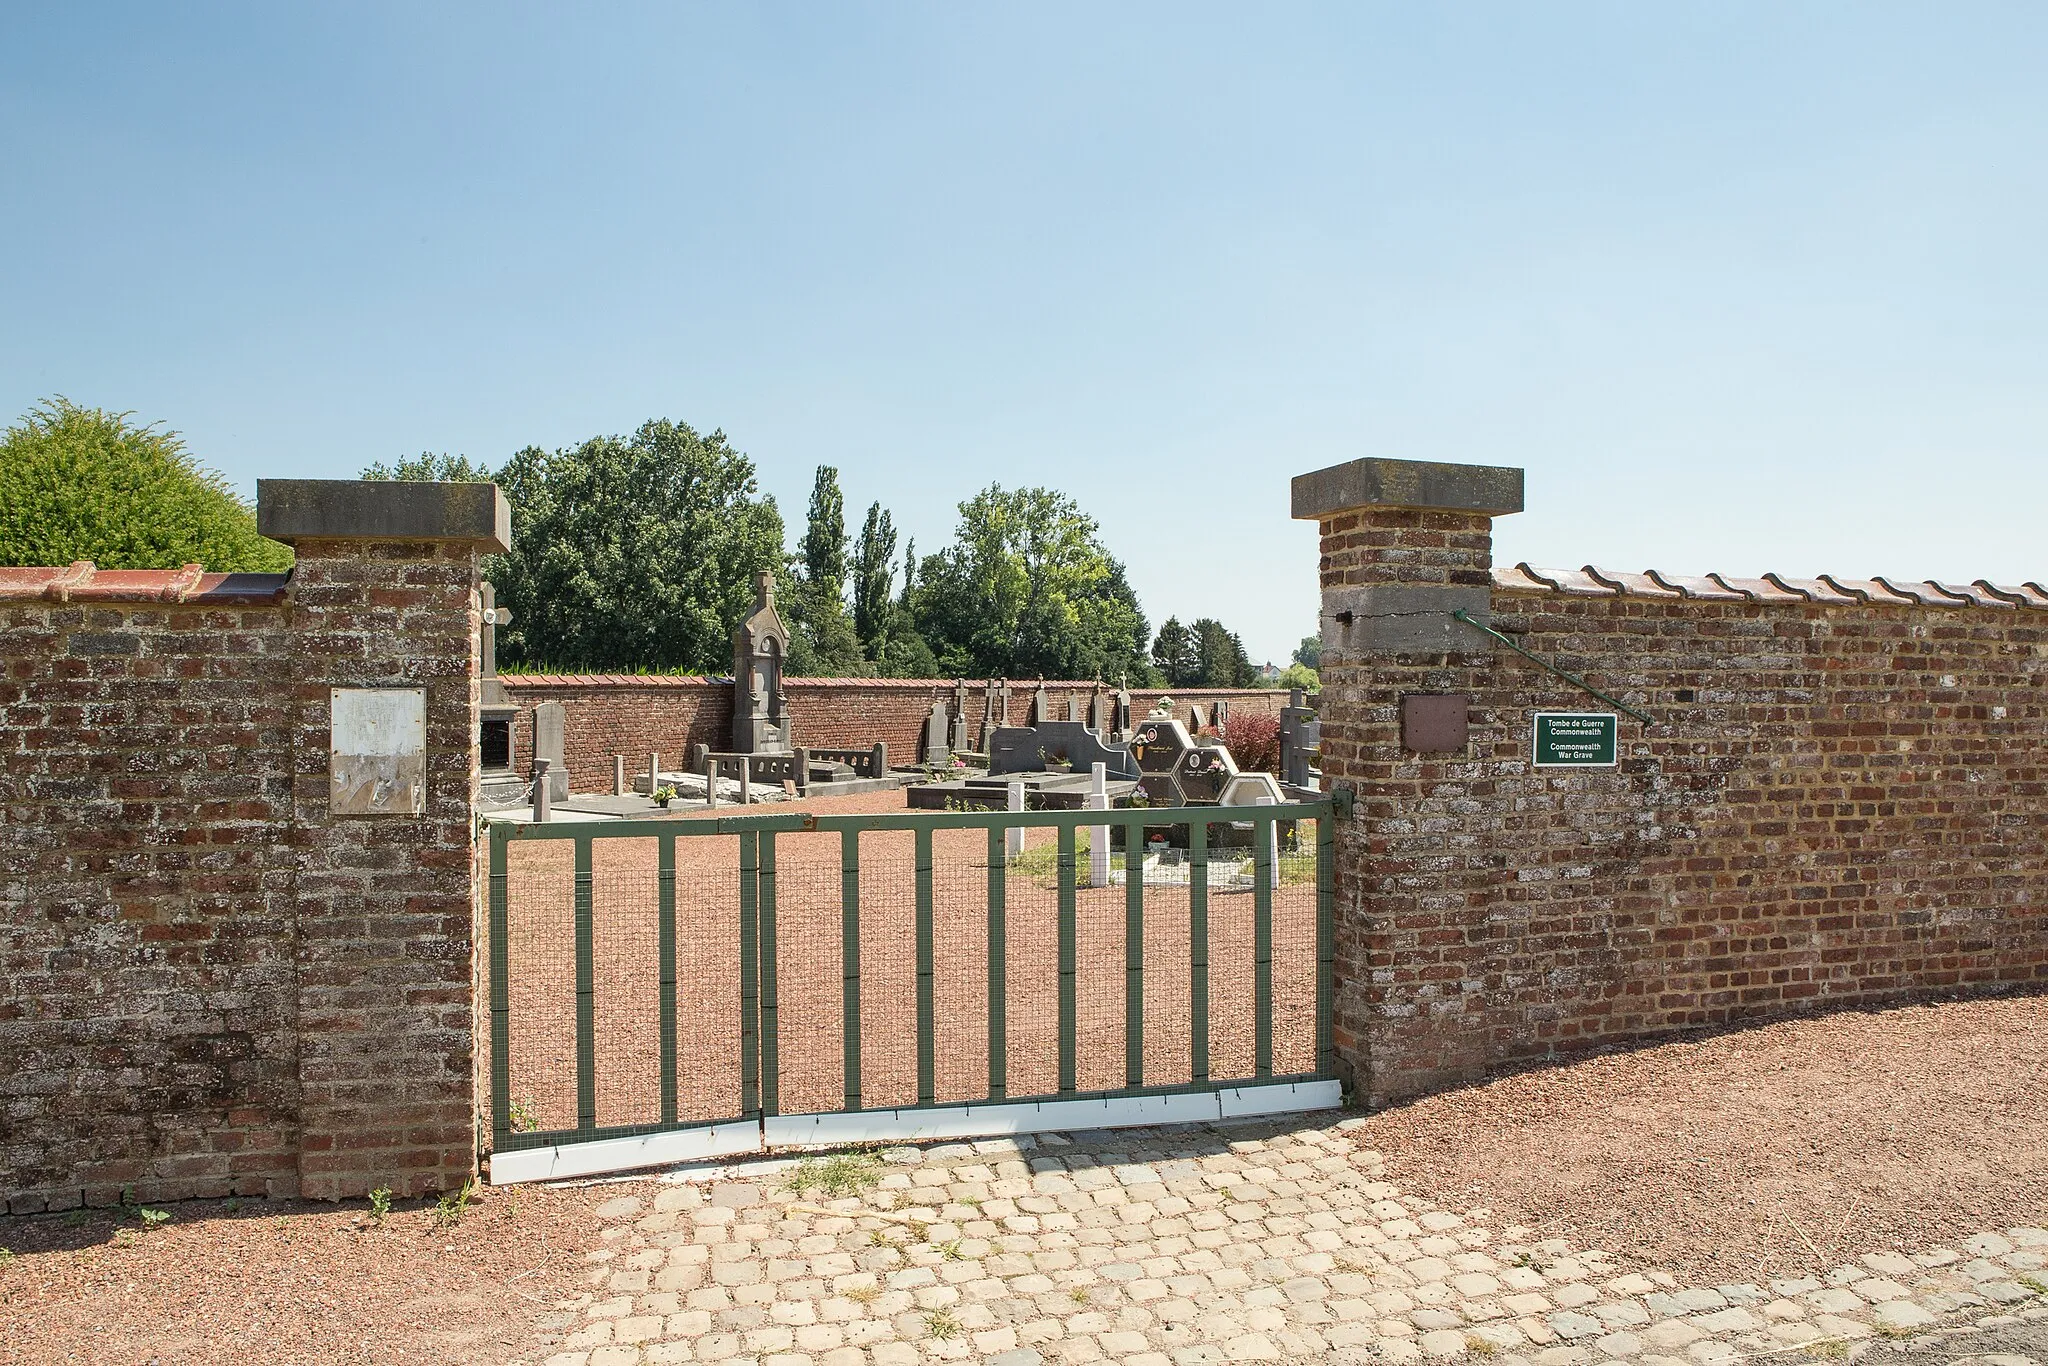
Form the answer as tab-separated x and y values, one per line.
824	544
427	467
1220	660
822	640
874	578
1309	653
1299	675
633	552
87	484
1027	589
1173	652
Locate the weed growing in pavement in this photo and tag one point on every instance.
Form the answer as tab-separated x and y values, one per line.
1079	1294
862	1294
6	1258
1479	1346
878	1238
2035	1284
1893	1331
525	1115
970	1202
1834	1349
448	1211
152	1218
380	1203
942	1325
125	1237
951	1251
835	1177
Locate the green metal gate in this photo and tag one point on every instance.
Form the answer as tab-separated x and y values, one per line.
678	988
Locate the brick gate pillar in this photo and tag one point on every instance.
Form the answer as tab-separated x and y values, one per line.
384	636
1405	544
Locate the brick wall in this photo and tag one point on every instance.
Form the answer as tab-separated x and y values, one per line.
209	984
148	993
607	714
1842	800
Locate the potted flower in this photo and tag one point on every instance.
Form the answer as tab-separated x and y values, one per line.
663	795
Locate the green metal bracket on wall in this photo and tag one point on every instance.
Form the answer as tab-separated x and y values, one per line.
1570	678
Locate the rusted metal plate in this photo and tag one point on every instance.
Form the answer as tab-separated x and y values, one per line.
377	751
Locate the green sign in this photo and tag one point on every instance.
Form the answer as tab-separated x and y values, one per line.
1576	739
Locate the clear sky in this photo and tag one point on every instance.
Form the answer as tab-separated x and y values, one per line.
1743	286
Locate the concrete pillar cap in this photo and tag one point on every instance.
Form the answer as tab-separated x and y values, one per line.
1494	490
293	510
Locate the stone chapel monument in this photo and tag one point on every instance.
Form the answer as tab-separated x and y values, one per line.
760	713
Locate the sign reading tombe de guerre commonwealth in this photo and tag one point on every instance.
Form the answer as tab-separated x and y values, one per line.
1575	739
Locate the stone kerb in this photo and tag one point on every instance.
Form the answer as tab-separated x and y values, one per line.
384	596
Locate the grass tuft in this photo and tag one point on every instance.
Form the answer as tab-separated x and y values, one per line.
942	1325
835	1177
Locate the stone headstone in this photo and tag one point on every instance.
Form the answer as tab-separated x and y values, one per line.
550	724
935	748
1099	714
1122	727
1041	705
1222	714
1198	721
1205	771
1055	745
1073	706
1159	744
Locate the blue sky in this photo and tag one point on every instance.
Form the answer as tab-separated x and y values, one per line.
1742	286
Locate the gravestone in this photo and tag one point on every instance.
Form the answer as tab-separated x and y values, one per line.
935	749
1002	702
1158	747
1222	715
960	744
1122	727
1056	745
988	715
1041	705
1099	713
760	713
495	708
1073	706
549	728
1197	720
1204	772
1301	737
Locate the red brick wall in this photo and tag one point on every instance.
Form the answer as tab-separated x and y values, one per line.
208	985
629	714
1838	803
148	999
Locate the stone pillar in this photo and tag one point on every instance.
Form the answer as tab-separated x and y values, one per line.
384	596
1404	545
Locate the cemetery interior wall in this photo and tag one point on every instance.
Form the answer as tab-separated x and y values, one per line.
1842	800
627	714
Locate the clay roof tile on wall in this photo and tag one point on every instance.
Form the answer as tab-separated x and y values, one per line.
82	581
1631	585
1826	589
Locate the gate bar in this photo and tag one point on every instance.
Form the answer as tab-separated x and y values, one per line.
771	1017
586	995
750	976
1326	945
998	967
927	1060
1198	953
1134	953
1068	955
665	936
501	994
849	964
1264	873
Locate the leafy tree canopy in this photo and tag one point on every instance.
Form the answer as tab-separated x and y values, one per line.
1220	656
427	467
1027	589
632	552
1310	652
1299	675
1173	653
86	484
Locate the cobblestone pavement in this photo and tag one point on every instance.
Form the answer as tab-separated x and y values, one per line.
1200	1244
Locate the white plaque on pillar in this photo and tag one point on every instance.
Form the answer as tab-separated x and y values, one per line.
377	759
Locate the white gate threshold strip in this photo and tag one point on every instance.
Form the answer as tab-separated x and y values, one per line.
598	1156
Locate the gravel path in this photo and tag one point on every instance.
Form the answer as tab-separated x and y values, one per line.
1773	1151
